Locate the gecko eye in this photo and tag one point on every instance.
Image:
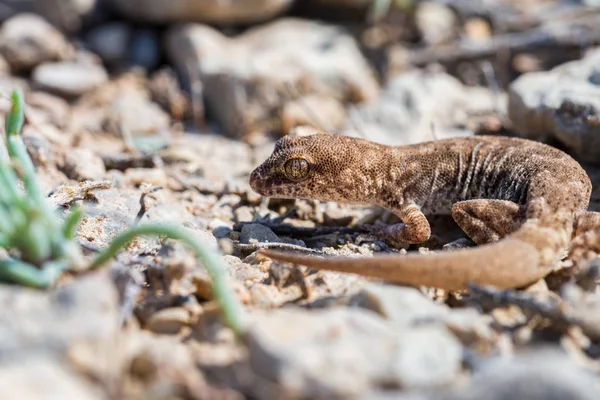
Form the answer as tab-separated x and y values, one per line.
296	168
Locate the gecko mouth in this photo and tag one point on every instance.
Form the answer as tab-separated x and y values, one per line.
265	186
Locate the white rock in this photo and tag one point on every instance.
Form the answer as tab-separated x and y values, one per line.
69	78
411	102
562	104
344	352
27	40
248	79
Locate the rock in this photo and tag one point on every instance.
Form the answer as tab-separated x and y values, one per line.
413	101
37	378
111	42
86	309
259	233
562	104
68	15
244	214
48	109
133	113
152	176
161	364
168	321
217	158
324	113
437	23
27	40
248	79
69	78
542	374
83	164
341	353
210	11
403	305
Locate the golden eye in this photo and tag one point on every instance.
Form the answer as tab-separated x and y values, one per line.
296	168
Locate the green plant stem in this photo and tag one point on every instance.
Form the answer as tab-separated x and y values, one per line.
26	274
71	223
230	307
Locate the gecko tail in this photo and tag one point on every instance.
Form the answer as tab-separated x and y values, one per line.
508	263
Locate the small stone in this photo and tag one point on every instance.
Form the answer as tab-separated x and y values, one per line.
83	164
168	321
259	233
437	22
265	296
252	197
27	40
244	214
69	78
133	113
478	29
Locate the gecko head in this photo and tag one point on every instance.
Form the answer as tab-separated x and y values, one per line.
319	166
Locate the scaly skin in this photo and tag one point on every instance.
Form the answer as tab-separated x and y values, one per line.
519	200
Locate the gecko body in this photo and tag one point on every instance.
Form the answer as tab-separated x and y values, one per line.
520	201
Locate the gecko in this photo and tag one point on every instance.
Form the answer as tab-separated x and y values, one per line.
520	202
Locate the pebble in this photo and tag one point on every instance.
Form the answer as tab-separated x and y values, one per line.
168	321
69	78
83	164
259	233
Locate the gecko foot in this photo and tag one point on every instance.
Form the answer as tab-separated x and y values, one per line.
385	233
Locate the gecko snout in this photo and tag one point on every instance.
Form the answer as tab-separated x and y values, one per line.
256	181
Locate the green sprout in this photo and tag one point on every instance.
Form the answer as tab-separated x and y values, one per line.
40	246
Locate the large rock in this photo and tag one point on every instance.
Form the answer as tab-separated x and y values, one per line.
542	374
413	103
248	79
31	321
341	353
27	40
562	104
68	15
211	11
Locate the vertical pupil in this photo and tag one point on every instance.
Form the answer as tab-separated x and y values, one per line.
296	168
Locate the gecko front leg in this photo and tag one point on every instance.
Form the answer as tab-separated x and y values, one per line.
414	229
